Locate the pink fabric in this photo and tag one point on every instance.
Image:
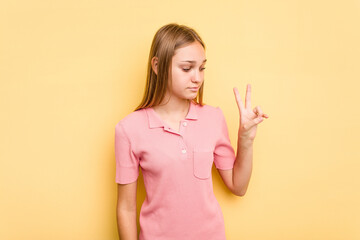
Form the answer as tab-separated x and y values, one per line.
180	202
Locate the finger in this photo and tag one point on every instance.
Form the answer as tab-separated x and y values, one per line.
252	123
238	100
259	111
248	97
255	110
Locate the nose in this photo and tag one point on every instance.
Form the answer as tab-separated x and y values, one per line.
197	76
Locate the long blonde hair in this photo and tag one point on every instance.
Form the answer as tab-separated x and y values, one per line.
166	40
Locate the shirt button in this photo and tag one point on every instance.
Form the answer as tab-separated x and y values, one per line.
184	124
183	151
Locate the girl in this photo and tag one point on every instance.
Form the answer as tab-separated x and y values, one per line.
175	138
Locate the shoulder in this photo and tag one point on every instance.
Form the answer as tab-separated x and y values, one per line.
133	120
209	110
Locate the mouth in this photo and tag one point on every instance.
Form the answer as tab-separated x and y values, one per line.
194	88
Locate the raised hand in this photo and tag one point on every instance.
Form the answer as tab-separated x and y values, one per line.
249	118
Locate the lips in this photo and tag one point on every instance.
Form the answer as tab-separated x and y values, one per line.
194	88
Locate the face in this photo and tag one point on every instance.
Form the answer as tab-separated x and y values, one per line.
188	66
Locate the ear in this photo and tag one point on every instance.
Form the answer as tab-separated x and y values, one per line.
154	64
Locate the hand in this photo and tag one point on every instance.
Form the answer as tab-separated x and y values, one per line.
249	118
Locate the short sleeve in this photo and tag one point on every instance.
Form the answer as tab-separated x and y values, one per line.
127	164
224	155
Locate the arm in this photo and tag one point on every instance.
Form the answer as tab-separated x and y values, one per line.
242	167
238	178
249	119
126	211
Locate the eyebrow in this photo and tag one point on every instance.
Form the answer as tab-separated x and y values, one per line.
193	61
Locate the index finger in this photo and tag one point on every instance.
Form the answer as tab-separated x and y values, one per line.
238	100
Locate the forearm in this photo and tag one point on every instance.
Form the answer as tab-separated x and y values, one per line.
242	166
126	222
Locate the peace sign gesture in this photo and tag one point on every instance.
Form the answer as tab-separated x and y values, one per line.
249	118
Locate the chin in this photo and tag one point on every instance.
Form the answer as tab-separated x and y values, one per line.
191	98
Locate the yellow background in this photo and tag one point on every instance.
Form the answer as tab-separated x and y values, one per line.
70	70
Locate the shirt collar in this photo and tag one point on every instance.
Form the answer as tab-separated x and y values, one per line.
156	121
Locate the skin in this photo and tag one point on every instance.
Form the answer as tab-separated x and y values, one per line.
175	106
173	109
185	75
238	178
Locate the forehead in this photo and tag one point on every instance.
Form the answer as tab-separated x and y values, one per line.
192	52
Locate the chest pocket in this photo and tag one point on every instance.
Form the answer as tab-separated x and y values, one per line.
203	160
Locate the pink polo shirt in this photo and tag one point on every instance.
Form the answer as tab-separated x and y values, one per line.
180	203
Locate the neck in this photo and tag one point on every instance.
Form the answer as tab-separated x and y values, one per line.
174	107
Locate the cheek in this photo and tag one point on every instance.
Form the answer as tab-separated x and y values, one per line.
178	73
179	76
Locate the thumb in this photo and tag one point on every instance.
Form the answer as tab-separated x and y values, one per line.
254	122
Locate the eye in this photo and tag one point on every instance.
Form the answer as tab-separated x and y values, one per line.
187	69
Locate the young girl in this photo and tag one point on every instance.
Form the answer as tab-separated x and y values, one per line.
175	138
